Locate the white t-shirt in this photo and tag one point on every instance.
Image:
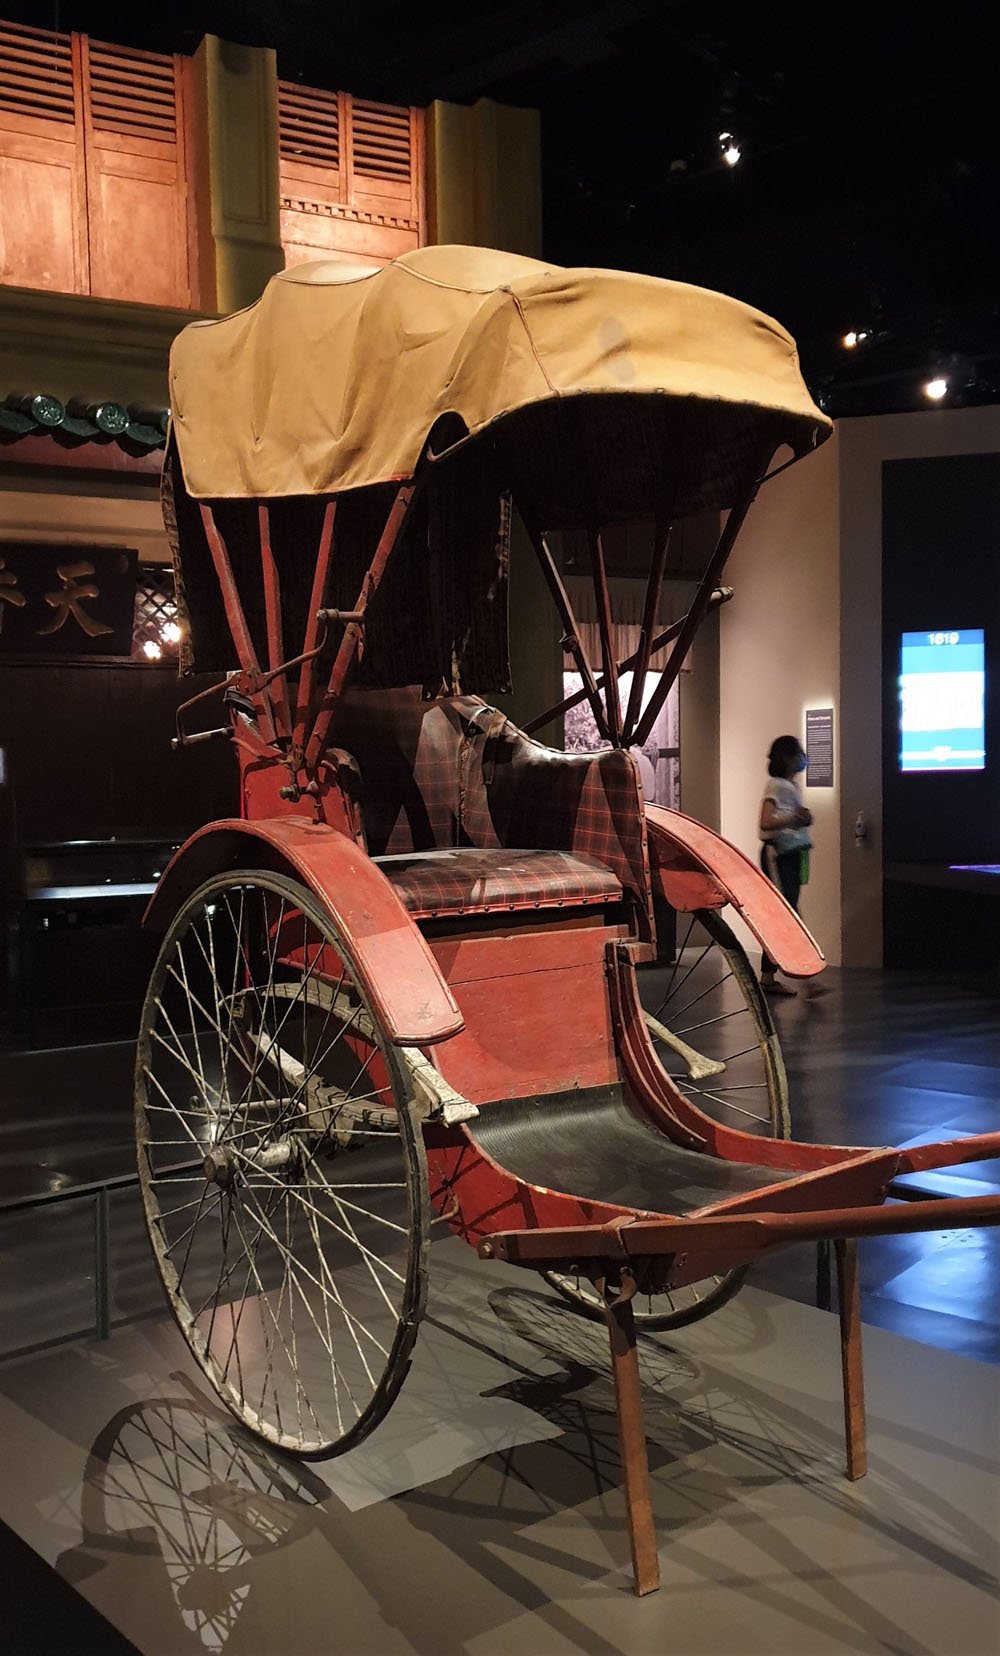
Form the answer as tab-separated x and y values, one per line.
785	797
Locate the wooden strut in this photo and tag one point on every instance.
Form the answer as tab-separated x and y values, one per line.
852	1368
272	614
700	604
721	595
619	1317
571	632
352	643
654	581
602	600
320	576
245	653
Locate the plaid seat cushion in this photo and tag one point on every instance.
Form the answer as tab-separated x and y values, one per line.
469	881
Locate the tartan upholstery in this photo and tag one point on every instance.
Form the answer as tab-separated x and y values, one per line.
467	880
455	772
517	792
408	754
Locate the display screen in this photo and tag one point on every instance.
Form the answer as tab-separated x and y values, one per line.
942	677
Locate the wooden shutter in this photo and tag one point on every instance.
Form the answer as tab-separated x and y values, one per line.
43	240
136	183
351	176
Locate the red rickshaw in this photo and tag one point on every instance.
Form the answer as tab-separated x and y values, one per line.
399	990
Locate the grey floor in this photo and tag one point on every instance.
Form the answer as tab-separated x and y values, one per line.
489	1519
507	1534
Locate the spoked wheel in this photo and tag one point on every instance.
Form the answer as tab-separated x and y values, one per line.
714	1035
282	1165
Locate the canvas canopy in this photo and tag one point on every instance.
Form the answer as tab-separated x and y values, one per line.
338	376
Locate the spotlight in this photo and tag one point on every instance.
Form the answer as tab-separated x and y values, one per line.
730	148
935	389
151	650
855	336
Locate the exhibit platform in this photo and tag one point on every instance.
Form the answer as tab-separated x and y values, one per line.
485	1514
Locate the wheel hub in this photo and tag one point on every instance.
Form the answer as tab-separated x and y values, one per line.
220	1167
217	1166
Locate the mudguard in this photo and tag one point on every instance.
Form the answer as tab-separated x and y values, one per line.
696	868
408	992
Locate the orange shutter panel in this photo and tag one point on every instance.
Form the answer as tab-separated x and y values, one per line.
136	175
351	177
43	242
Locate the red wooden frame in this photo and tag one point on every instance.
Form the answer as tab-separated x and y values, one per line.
568	985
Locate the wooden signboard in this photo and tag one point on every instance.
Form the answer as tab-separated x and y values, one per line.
66	603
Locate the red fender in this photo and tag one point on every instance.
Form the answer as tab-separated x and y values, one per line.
409	995
696	868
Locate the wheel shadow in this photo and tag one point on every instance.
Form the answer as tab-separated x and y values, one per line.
177	1479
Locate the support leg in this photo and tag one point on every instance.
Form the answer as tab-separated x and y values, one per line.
824	1298
849	1301
632	1439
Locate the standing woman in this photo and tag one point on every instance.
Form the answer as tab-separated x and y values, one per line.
784	830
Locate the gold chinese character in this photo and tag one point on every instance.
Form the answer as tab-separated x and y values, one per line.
69	601
9	591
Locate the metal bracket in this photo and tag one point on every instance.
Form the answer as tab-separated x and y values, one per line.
436	1098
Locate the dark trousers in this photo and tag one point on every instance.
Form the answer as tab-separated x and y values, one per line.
783	869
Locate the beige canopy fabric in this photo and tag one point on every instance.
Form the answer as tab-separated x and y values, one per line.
336	377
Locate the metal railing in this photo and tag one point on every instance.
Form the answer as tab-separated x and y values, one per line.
99	1192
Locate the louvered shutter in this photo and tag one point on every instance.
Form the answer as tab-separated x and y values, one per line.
136	184
351	176
43	242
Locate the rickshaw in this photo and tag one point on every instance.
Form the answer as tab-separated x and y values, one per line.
398	993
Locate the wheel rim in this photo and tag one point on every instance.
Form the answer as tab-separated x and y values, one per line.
281	1165
713	1003
710	1003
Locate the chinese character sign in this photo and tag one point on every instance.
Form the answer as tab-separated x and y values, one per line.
66	601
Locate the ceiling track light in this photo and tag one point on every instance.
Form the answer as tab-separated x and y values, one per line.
937	388
729	148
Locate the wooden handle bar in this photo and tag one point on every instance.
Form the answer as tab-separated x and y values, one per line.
740	1235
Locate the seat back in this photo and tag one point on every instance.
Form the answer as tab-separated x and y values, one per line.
451	772
408	753
517	792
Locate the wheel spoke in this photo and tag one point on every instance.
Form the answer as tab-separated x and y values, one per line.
717	980
293	1270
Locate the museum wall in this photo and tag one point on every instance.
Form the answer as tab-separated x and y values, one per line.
939	565
805	629
865	445
778	657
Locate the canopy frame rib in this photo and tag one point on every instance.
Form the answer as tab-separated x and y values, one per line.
571	641
721	595
321	575
654	581
602	599
278	692
236	619
352	644
700	604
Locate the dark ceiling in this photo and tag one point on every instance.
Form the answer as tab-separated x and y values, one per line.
866	196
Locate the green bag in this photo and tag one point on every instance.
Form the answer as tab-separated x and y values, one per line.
804	866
